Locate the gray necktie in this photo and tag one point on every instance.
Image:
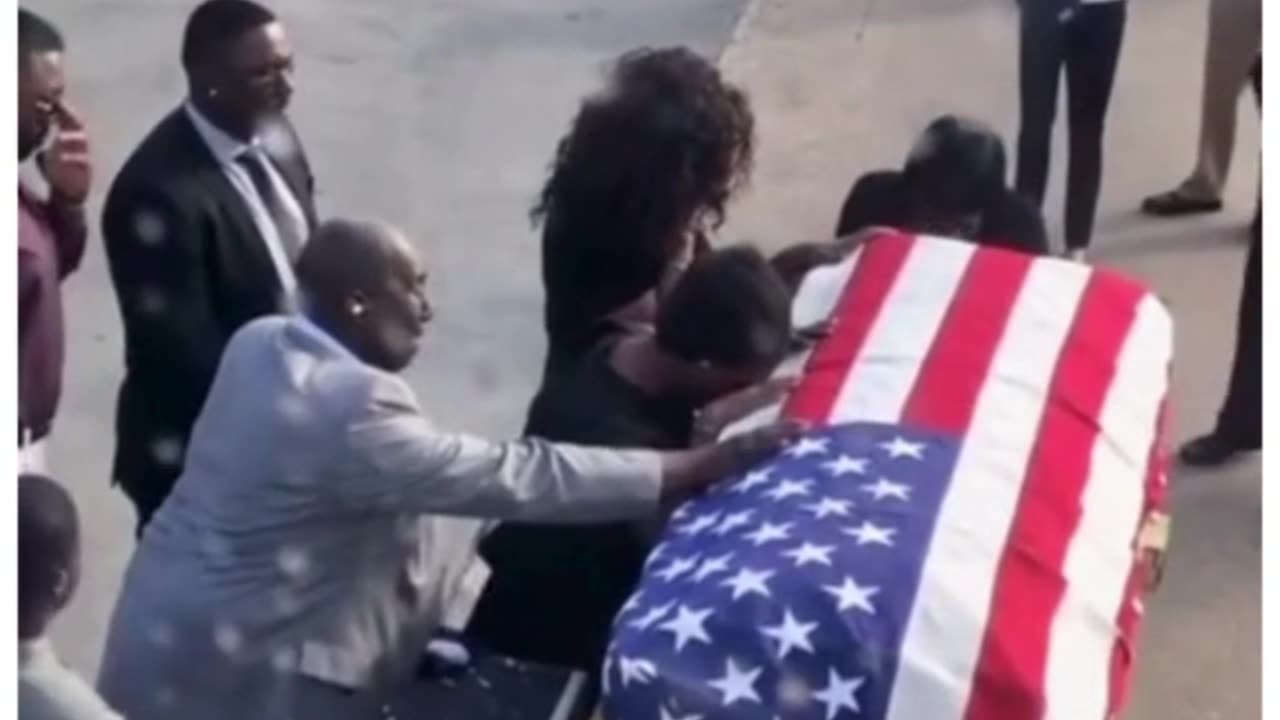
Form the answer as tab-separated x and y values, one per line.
286	228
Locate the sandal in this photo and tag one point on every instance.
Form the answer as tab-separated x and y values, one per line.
1174	203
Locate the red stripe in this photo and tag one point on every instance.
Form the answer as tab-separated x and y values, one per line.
861	301
946	390
1128	618
1008	682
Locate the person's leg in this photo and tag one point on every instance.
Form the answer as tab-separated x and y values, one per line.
1239	426
1234	41
1039	64
1092	51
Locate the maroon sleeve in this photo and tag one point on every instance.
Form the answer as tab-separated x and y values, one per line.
28	291
70	232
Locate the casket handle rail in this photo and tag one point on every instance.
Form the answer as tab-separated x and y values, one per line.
1153	541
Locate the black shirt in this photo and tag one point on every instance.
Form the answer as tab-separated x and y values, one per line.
588	274
555	589
881	198
585	278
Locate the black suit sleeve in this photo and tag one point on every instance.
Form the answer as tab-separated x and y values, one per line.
156	254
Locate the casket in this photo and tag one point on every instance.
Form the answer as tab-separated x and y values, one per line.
960	536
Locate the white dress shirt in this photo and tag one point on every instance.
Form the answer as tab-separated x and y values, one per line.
47	690
227	150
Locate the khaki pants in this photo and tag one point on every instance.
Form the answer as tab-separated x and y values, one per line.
1235	39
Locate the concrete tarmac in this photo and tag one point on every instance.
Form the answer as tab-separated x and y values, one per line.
438	115
441	116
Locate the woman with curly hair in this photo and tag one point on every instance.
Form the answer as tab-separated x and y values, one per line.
644	173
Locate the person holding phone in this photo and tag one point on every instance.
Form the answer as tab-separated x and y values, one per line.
51	229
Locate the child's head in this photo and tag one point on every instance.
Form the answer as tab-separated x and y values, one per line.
729	314
48	552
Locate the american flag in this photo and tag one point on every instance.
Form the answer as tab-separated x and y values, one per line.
957	538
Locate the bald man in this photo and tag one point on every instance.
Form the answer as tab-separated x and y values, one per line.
303	560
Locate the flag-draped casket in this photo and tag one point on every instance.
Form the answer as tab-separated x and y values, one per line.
958	536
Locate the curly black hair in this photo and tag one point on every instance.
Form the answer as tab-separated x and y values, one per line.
656	155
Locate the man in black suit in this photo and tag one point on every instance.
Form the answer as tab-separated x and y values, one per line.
202	226
1239	426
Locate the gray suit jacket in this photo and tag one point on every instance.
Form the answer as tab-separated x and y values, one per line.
304	540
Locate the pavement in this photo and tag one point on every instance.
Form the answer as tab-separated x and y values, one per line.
441	115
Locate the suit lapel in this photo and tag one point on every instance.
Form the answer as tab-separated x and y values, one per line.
243	239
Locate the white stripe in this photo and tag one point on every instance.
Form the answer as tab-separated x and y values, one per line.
821	290
949	618
1100	556
815	301
878	384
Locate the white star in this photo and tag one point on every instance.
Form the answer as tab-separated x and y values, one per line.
749	581
901	447
678	567
885	487
699	524
787	488
868	533
655	555
665	715
845	464
632	603
808	446
655	614
808	553
638	669
752	479
828	506
838	694
850	594
732	521
791	634
768	532
606	679
711	566
736	684
687	625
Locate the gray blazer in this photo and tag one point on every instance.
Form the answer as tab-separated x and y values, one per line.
305	541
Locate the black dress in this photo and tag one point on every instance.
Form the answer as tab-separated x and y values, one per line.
586	277
555	589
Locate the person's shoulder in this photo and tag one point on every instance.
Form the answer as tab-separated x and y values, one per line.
874	199
1018	223
47	690
878	180
590	404
160	161
258	331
